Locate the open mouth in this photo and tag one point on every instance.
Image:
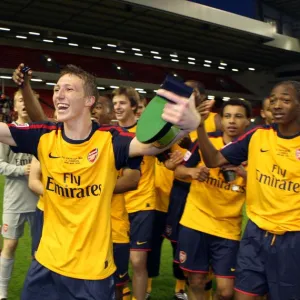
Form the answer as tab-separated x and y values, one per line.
278	116
61	107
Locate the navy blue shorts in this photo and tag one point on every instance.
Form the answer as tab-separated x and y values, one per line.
43	284
38	229
121	258
178	197
141	228
153	260
197	251
269	264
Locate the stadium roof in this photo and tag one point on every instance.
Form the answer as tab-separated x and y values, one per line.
290	7
129	26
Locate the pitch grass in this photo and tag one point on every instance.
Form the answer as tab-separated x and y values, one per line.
162	289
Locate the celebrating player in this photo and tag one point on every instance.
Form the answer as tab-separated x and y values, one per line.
79	162
268	260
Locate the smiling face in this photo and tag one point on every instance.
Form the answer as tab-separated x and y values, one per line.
123	109
234	120
102	111
284	104
70	99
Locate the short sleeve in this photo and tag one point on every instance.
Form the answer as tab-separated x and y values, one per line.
236	152
192	156
134	163
121	140
27	136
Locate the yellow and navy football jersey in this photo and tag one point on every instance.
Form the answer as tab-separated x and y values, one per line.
144	197
164	178
163	184
79	178
273	183
119	220
214	206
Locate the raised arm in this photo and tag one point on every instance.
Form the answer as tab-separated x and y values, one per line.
34	182
32	104
212	157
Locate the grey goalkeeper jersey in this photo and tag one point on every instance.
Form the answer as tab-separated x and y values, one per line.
18	198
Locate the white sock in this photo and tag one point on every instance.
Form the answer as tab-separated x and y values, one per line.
6	267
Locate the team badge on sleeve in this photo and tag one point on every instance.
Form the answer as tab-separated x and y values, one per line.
93	155
298	154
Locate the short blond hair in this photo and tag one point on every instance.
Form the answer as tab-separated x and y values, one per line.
19	92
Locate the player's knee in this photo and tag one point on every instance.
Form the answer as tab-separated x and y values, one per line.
197	282
224	292
224	289
9	246
138	260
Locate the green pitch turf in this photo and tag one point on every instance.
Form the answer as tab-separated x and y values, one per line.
162	289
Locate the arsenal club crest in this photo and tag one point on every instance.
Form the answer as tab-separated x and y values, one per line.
182	257
298	154
5	227
93	155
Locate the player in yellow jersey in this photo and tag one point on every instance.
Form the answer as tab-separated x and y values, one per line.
140	204
265	112
128	179
211	222
79	162
180	189
268	260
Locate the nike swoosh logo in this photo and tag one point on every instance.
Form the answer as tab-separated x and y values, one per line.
123	275
51	156
261	150
141	243
232	270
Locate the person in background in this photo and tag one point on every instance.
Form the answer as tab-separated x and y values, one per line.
19	202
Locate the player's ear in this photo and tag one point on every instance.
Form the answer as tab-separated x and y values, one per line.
90	101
